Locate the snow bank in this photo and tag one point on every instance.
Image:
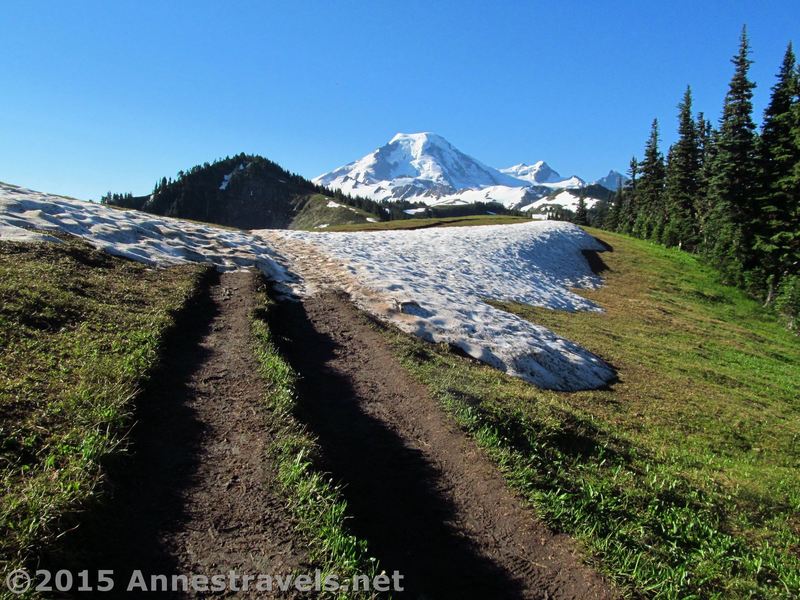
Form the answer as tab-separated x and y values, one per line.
434	283
136	235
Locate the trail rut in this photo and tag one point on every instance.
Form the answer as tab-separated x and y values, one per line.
422	494
194	494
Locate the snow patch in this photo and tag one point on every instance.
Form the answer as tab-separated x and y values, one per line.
226	179
434	283
145	238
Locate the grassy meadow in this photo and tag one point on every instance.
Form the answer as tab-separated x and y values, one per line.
680	479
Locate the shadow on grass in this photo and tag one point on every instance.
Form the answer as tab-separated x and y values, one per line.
142	495
393	492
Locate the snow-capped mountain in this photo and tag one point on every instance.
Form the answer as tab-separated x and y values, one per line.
425	167
612	180
414	165
540	173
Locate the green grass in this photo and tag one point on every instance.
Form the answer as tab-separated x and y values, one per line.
681	480
432	222
317	212
79	333
313	498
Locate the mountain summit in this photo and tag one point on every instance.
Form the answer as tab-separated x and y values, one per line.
425	167
414	165
613	180
538	172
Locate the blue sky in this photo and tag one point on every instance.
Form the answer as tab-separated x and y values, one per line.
100	96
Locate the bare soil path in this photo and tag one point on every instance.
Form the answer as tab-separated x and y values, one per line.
194	496
422	494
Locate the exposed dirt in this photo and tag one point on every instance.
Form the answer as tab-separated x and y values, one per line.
194	496
422	494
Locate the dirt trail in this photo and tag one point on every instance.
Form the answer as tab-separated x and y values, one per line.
421	493
194	497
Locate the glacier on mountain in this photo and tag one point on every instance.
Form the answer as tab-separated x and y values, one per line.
426	168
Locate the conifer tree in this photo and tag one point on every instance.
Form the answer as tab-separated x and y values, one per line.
650	214
581	215
778	157
628	209
614	214
707	137
682	181
733	175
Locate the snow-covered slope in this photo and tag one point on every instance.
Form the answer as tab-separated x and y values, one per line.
140	236
432	283
565	199
538	172
425	167
612	180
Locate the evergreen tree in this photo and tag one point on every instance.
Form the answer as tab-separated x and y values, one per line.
778	157
734	173
650	213
581	215
682	181
614	214
707	137
628	208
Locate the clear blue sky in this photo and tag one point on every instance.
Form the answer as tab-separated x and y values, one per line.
101	96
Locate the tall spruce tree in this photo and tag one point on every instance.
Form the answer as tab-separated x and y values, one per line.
628	210
778	157
734	173
650	213
789	291
614	214
682	181
707	138
581	214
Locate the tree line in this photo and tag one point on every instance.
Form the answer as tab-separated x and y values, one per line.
731	192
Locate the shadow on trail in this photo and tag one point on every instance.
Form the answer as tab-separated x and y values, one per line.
393	492
143	490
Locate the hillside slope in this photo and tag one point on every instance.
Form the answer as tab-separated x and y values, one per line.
245	191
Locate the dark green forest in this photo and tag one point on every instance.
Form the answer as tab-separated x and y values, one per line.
730	193
246	191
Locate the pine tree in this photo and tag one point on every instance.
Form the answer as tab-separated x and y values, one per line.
581	215
614	214
650	213
732	185
628	208
682	181
778	156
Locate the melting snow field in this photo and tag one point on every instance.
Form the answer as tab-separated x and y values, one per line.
434	283
431	282
133	234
